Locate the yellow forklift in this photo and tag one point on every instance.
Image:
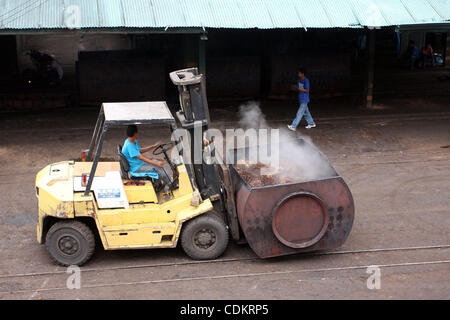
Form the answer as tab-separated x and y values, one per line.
203	204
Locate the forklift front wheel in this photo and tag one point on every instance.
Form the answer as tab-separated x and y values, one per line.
70	243
205	237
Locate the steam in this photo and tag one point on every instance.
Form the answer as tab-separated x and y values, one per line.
295	161
301	162
251	116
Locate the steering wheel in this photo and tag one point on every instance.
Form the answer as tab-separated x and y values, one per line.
163	148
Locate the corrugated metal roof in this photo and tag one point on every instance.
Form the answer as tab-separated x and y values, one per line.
442	7
340	13
262	14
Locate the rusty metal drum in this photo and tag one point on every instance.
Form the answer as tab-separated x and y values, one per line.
300	216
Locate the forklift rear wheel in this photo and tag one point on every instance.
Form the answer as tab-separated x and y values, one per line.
70	243
205	237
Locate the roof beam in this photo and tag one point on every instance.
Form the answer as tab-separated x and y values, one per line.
102	30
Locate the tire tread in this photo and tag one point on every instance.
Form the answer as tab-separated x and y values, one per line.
186	243
79	226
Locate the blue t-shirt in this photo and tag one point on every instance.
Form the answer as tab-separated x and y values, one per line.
415	52
131	151
303	84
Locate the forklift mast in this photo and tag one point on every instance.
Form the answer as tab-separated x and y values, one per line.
194	118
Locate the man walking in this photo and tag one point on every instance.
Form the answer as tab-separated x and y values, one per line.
303	96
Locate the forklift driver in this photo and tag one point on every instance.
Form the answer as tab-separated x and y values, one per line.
138	163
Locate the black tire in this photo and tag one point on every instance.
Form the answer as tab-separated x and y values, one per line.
70	243
204	237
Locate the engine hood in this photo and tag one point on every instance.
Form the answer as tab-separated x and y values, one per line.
54	189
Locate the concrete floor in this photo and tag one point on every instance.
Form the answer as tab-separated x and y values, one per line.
397	166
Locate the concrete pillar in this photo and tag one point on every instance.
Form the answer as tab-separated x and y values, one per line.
202	53
447	51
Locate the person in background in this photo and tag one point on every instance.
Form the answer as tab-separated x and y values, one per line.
427	54
303	87
412	54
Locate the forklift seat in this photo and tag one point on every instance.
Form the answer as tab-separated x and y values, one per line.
125	167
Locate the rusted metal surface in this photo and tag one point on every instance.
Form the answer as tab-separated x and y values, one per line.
293	227
64	209
296	217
